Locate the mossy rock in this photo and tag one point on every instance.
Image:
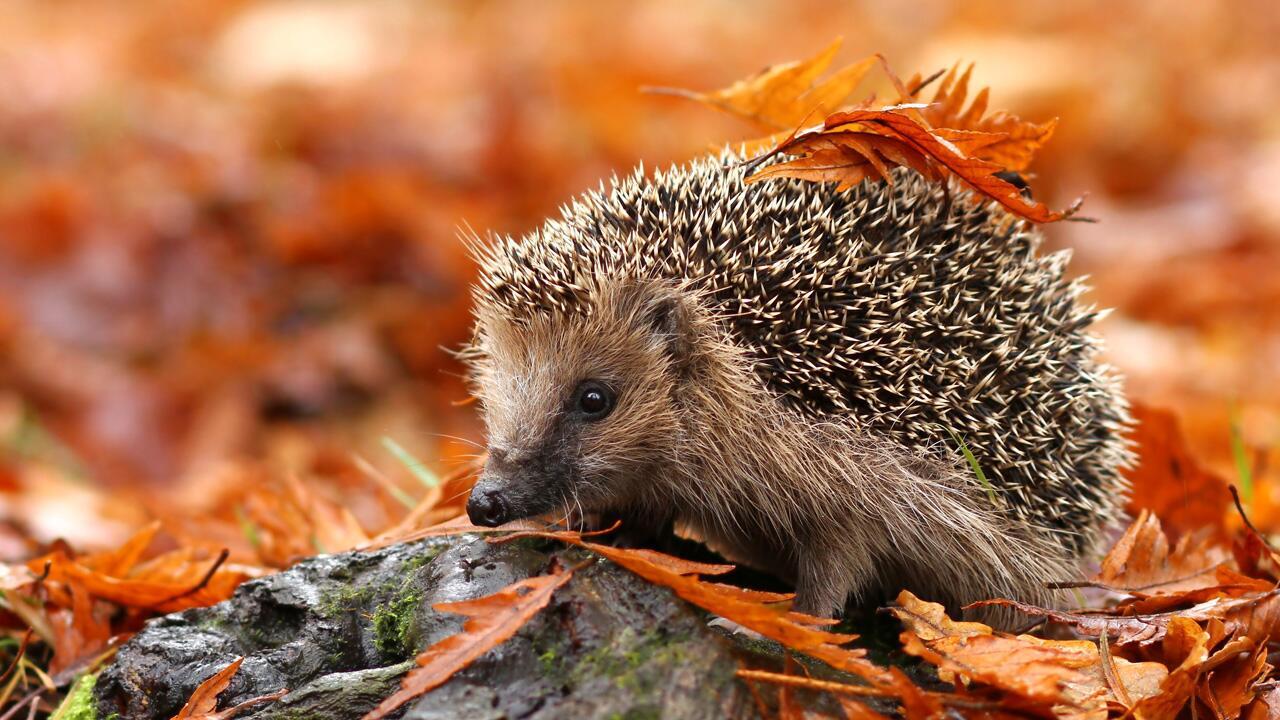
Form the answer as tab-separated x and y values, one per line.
340	631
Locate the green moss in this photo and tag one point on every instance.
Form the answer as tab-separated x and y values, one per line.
632	661
549	662
393	622
346	599
78	704
417	562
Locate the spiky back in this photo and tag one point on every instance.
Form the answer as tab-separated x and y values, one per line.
891	307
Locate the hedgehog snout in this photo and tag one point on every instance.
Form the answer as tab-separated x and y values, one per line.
515	486
486	508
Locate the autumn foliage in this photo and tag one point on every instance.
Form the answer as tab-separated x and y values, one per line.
222	308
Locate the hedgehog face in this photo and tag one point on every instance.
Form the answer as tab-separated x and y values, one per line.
579	405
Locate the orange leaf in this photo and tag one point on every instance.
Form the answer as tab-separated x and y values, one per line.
1067	673
205	698
1187	644
1168	480
783	96
1141	563
492	620
1230	685
895	124
203	703
1010	142
120	561
80	631
847	158
750	610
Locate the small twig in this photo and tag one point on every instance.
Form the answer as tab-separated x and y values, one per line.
845	689
44	574
1235	497
17	659
261	699
32	697
222	557
1109	672
925	83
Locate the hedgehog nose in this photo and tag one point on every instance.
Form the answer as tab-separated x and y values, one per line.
486	508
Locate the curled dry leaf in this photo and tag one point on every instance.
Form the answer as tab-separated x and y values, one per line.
491	621
783	96
1156	578
1066	674
1008	141
856	143
849	144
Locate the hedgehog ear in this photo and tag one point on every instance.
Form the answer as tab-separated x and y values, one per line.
669	318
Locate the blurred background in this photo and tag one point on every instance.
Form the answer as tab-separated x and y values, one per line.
229	255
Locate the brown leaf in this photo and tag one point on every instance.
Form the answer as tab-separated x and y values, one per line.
203	703
793	630
1008	141
1230	685
1141	563
205	698
1168	481
169	583
491	621
1068	673
783	96
849	131
1186	644
1254	615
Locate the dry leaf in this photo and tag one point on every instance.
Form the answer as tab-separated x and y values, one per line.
756	612
203	703
491	621
861	138
1008	141
1168	481
1068	673
783	96
1141	563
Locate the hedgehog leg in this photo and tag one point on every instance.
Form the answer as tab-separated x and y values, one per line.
824	582
638	529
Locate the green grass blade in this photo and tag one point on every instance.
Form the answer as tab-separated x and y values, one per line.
415	466
1240	455
977	469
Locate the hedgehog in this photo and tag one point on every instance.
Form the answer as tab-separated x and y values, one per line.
793	375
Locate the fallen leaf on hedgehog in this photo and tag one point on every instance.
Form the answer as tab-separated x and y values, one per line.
1006	139
852	142
851	146
783	96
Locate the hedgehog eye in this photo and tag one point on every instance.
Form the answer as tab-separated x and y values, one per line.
594	400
